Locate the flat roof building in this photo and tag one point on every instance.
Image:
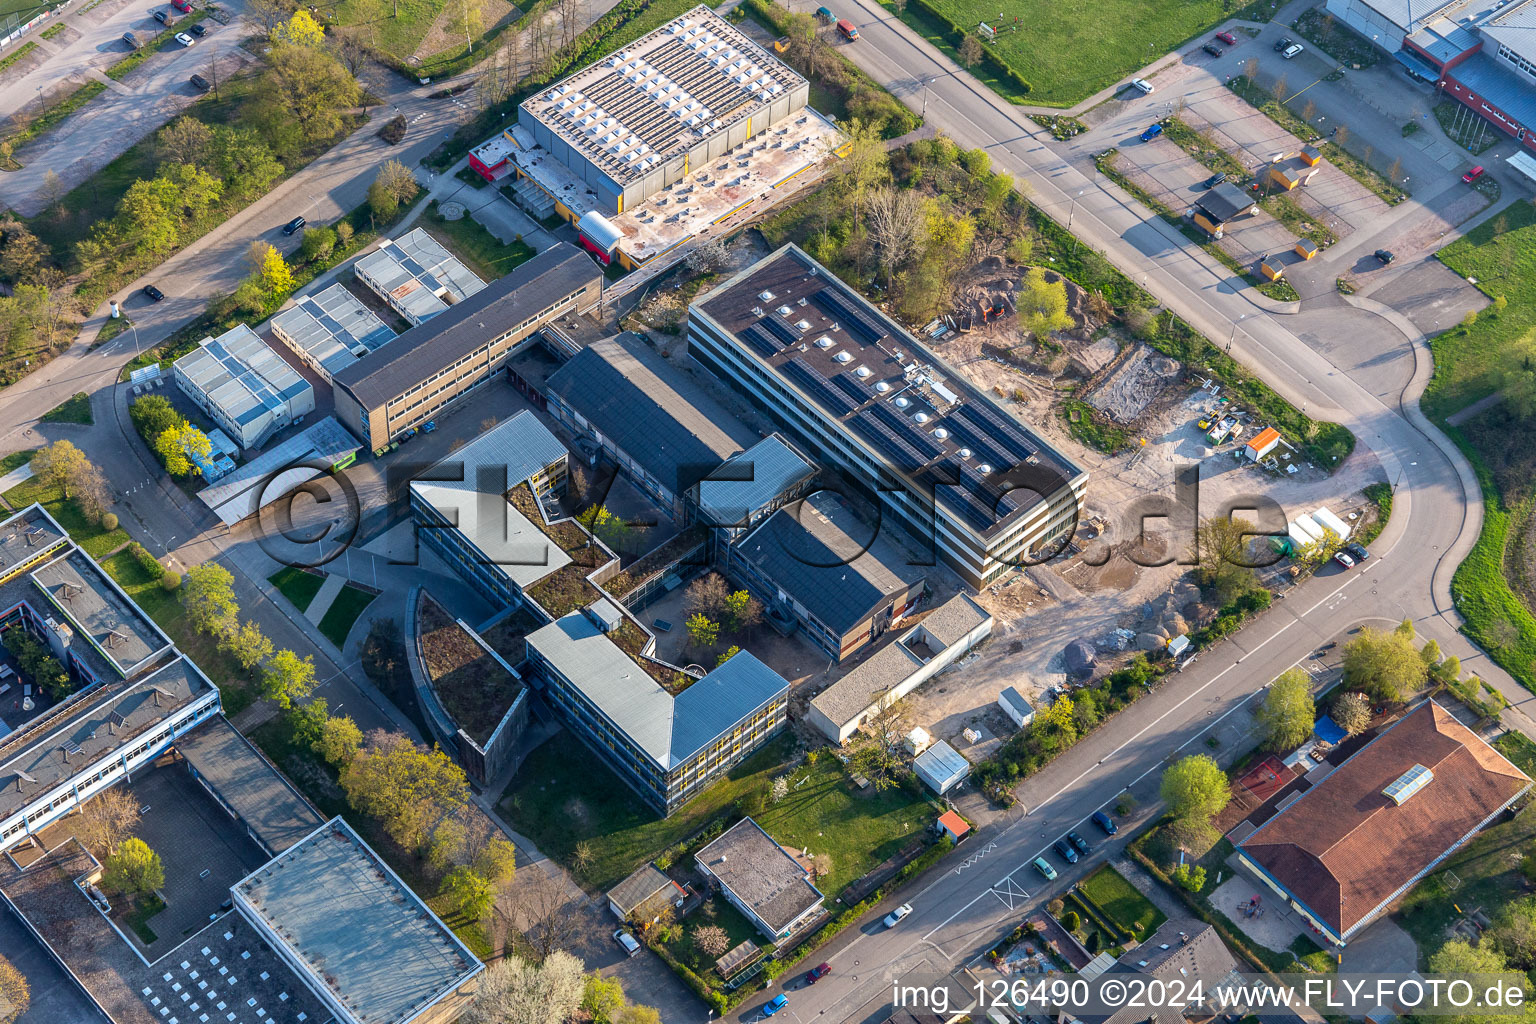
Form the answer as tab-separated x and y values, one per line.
860	394
330	330
667	747
361	939
644	117
818	562
399	386
661	428
941	767
416	276
1383	819
244	386
322	447
643	893
755	483
761	879
242	780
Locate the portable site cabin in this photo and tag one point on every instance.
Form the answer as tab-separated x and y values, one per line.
1328	521
1272	268
1305	248
1262	443
1304	532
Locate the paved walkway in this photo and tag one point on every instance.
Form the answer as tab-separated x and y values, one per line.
21	474
323	597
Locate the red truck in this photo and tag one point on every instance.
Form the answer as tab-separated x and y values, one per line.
846	29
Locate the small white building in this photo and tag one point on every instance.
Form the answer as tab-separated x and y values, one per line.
244	386
416	276
1016	706
941	767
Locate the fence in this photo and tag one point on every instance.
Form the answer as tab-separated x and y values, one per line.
18	23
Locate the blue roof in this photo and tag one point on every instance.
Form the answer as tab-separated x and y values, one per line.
1503	88
521	444
1328	730
747	482
717	702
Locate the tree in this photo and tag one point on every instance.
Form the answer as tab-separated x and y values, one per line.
1189	878
515	991
970	50
1055	726
1384	665
37	663
603	999
711	940
134	869
343	233
23	253
1251	69
496	862
267	14
15	993
637	1014
408	788
898	226
1279	90
1223	557
300	97
152	415
1352	713
469	893
178	445
1043	304
1395	172
605	526
301	29
706	595
1514	933
392	186
543	908
288	678
742	611
864	164
1518	378
875	751
107	818
318	243
339	741
1195	787
1287	713
248	645
57	465
185	140
273	273
1461	957
466	18
208	598
729	653
52	190
702	630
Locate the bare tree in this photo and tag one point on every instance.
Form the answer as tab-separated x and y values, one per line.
349	49
897	225
541	906
708	256
267	14
107	819
1395	172
970	50
1280	89
570	13
1251	69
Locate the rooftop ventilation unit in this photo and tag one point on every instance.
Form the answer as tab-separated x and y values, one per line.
766	296
843	357
785	311
882	387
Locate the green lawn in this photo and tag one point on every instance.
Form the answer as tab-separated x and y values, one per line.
337	621
716	911
16	460
1070	49
296	585
1484	875
75	409
96	541
476	248
1520	750
1118	898
1314	956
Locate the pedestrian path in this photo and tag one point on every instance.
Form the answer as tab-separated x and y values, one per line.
323	598
19	475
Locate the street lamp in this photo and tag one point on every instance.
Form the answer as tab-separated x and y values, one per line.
1072	213
1233	336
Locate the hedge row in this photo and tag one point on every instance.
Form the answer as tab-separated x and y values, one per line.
994	63
151	565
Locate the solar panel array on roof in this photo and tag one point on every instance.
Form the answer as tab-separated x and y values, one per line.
903	427
779	329
977	441
850	319
894	445
853	387
999	427
812	380
762	340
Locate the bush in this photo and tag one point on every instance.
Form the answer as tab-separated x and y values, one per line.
170	581
393	131
109	521
147	561
1070	921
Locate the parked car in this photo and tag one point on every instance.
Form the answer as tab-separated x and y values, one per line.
825	14
1292	50
1213	49
1285	43
199	30
818	972
626	942
164	18
1152	132
1472	175
894	917
1227	37
1078	841
1044	867
1216	179
294	225
1343	559
1143	85
1357	551
184	6
132	40
184	39
1065	851
1385	256
775	1004
155	294
1105	822
202	84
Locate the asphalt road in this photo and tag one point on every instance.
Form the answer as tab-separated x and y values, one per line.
1370	384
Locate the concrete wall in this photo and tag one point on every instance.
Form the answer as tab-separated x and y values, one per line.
1370	23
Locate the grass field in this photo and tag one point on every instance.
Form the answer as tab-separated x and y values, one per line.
476	248
296	585
337	621
1122	902
96	541
74	409
1070	49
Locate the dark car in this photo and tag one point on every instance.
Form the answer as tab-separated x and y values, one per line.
294	225
1285	43
202	83
1216	179
199	30
155	294
1078	841
1213	49
1152	132
132	40
1227	37
1105	822
1064	848
817	973
1357	551
1385	256
164	18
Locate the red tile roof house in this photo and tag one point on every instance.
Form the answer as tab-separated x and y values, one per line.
1382	820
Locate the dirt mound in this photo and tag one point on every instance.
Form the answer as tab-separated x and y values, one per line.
988	293
1129	388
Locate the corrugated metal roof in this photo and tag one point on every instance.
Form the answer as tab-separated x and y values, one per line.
521	445
751	480
941	762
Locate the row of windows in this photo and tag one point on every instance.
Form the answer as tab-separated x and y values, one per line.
1518	61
